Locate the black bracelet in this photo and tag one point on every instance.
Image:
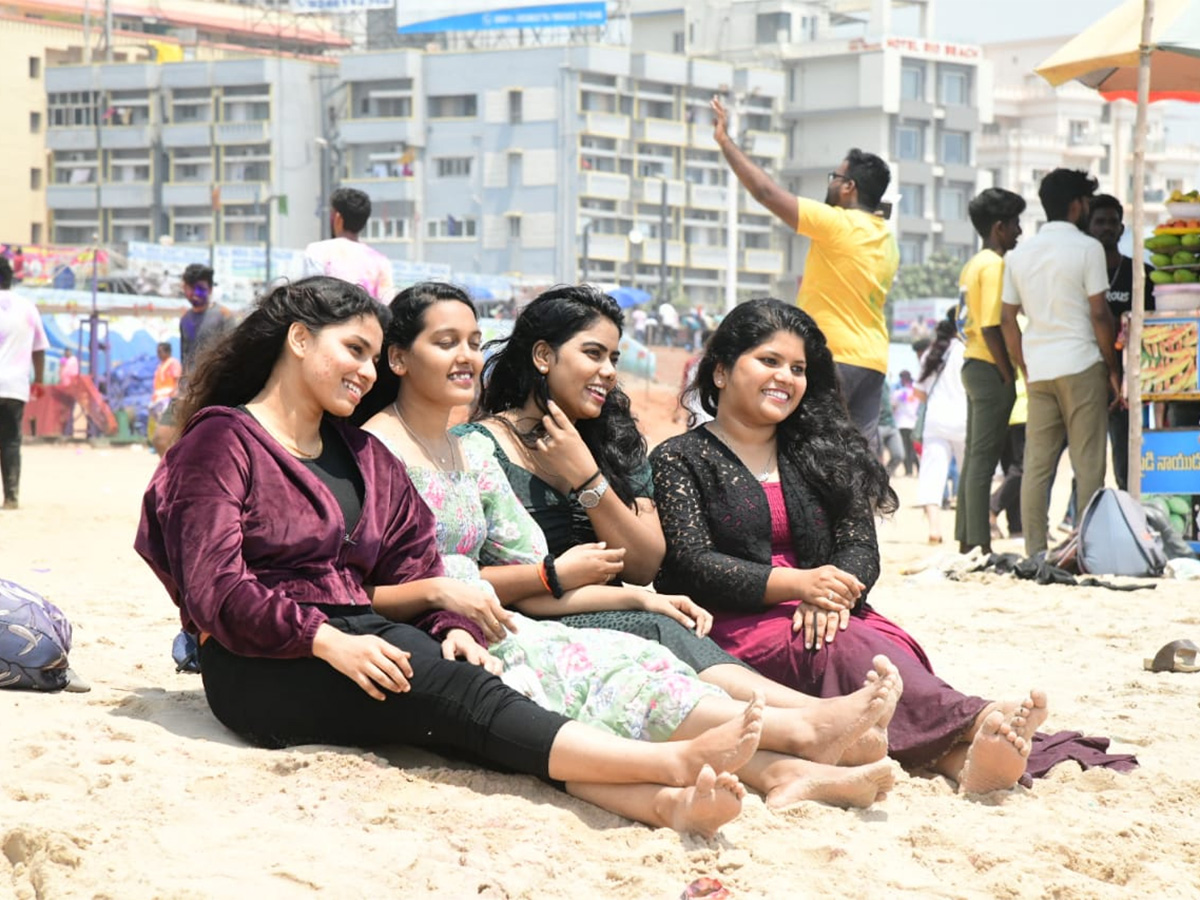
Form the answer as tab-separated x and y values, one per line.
587	481
556	587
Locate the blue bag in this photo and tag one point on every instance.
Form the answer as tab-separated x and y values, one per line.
35	637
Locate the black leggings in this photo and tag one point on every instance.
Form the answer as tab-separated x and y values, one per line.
453	708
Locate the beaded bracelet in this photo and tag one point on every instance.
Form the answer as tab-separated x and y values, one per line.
552	583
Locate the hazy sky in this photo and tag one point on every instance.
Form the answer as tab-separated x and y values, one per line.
984	21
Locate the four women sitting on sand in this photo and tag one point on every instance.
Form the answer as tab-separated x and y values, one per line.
274	525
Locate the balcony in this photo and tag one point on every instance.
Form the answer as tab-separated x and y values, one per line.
662	131
710	75
124	196
242	193
766	143
127	137
613	247
651	192
661	67
384	189
71	196
748	204
381	131
707	196
769	261
192	134
702	137
607	185
707	257
187	194
606	125
242	132
71	138
652	253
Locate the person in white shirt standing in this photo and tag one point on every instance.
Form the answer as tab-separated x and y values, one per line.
343	256
22	343
1059	280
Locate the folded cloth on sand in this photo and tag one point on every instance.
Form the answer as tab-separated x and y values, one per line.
1035	568
1051	749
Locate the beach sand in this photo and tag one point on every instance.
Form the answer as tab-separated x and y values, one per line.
135	791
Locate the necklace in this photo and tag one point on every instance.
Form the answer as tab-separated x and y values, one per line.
291	446
451	464
1112	279
719	433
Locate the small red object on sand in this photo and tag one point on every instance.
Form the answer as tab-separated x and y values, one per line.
705	889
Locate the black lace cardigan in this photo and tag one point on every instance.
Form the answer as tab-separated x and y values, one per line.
718	526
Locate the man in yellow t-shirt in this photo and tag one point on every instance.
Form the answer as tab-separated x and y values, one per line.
851	264
987	372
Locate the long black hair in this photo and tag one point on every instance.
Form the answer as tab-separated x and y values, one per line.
818	438
237	366
510	378
935	356
407	321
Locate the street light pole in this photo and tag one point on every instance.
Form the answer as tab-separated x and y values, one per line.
662	244
587	227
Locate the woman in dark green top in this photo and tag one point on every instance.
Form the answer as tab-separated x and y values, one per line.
568	442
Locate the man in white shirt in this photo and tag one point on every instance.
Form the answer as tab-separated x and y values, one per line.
1059	280
344	256
668	320
22	343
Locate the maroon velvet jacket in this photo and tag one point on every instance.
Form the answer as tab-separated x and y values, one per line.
246	540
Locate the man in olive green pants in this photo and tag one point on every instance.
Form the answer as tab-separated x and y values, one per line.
987	372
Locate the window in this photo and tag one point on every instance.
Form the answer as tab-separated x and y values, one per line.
35	67
952	203
910	142
912	200
955	87
35	179
35	122
72	109
912	250
452	106
961	252
956	148
514	227
35	233
1080	131
382	228
912	83
1106	113
1106	159
453	166
677	43
451	227
773	27
515	107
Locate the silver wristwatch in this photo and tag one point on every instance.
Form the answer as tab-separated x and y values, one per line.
589	498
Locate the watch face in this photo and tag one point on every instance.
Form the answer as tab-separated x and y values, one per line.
589	499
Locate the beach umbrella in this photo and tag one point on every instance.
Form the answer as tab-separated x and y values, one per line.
629	296
1143	50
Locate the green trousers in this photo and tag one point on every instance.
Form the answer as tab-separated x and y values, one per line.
989	404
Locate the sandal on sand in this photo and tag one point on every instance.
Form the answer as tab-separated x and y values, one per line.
1177	656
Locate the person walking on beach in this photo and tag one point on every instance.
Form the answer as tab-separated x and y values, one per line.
344	256
905	406
987	373
203	324
852	261
22	344
1059	280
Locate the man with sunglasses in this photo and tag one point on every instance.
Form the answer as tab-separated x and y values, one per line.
852	261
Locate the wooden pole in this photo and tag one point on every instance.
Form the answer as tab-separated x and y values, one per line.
1133	355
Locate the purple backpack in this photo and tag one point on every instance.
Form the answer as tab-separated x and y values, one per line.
34	639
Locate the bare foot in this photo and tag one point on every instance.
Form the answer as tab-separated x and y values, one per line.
726	747
872	746
825	730
844	786
998	753
704	807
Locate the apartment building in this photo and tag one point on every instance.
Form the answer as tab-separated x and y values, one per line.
559	163
850	81
1038	128
223	151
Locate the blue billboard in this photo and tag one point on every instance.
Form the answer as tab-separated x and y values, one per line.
480	15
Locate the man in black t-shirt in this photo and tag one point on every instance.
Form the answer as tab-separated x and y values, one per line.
1106	225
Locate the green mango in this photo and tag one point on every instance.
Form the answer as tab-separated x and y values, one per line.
1163	241
1185	276
1183	258
1179	523
1162	277
1160	259
1159	503
1190	240
1180	506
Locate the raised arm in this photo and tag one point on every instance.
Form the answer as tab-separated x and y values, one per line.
760	185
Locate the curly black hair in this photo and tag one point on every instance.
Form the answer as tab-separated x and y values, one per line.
235	368
407	321
818	437
510	378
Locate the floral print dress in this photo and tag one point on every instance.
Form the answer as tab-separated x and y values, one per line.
608	679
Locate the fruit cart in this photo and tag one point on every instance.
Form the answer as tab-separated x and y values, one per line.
1170	371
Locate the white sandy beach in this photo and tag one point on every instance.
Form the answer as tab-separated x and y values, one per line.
135	791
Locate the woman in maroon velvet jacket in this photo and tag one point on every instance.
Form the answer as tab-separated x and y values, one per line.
267	518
